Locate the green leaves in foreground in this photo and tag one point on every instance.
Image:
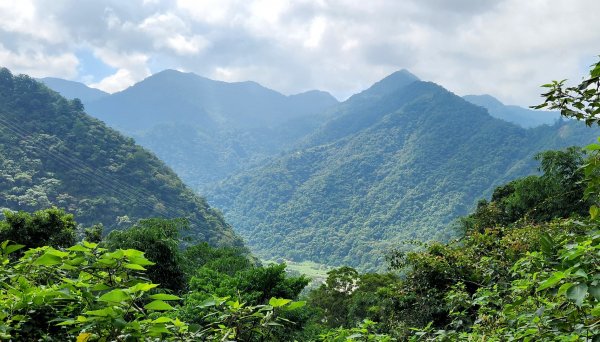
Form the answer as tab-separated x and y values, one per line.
87	293
552	296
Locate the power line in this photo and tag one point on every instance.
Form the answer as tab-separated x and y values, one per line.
120	188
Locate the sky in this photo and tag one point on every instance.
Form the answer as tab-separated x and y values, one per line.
506	48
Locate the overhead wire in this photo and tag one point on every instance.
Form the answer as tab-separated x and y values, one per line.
135	195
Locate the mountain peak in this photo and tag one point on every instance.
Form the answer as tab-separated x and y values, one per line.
389	84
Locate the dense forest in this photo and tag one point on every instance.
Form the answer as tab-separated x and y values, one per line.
399	161
525	267
53	154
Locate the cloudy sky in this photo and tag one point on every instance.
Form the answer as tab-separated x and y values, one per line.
506	48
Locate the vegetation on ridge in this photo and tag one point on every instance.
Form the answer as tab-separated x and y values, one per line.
53	154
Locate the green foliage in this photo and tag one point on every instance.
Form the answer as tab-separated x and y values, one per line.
226	260
84	290
558	193
53	154
51	227
159	240
581	102
348	298
254	285
551	296
364	332
88	293
386	168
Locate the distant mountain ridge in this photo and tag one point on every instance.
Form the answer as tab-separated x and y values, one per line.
52	153
208	129
72	89
390	165
523	117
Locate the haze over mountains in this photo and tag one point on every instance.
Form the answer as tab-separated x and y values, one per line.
311	179
521	116
208	129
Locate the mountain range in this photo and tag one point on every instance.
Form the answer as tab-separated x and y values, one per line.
394	164
205	129
523	117
307	178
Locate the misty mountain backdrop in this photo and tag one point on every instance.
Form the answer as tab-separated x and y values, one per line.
205	129
307	178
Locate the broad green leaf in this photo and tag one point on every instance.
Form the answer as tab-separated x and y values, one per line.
595	72
162	320
595	291
164	296
135	267
207	303
144	287
48	260
131	253
100	287
118	254
68	267
140	261
581	273
577	293
114	296
89	245
158	330
106	312
84	337
546	243
57	253
67	322
277	302
563	288
553	280
13	248
158	305
295	305
596	310
594	211
107	262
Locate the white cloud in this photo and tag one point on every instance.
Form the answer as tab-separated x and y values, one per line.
37	64
118	81
131	68
167	31
502	47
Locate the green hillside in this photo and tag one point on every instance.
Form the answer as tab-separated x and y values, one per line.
396	163
53	154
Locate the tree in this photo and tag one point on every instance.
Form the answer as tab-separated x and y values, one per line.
52	227
581	102
159	240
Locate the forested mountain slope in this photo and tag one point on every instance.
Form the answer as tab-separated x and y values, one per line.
52	153
205	129
396	162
